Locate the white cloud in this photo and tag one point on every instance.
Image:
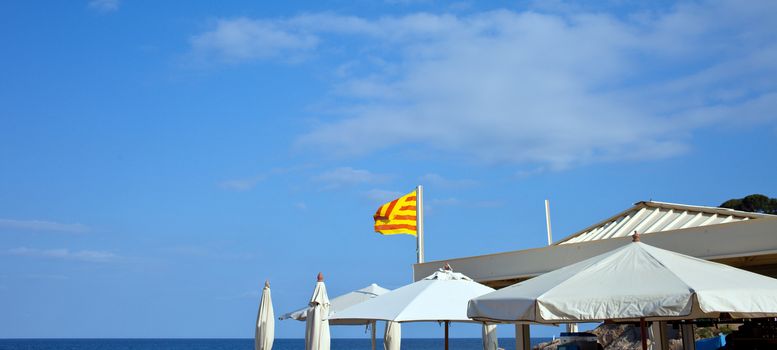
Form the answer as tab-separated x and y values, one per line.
66	254
104	6
347	176
541	90
40	225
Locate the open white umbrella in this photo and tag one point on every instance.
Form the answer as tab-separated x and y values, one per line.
340	303
343	302
634	282
317	319
441	297
265	321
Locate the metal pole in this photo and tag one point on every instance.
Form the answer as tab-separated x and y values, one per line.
547	220
419	218
446	334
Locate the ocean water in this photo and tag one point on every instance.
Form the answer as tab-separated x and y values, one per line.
238	344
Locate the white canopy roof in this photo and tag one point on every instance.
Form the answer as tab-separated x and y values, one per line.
439	297
340	303
651	216
630	282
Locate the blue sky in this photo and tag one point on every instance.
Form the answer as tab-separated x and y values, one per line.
160	161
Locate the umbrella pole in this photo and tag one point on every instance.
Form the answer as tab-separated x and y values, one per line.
374	323
643	329
446	334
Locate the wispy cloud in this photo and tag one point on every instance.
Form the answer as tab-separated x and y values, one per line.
41	225
250	182
525	173
251	294
242	39
548	89
440	181
450	201
241	185
381	196
347	176
97	256
47	277
209	253
104	6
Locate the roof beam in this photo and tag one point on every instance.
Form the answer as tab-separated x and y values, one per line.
660	221
677	220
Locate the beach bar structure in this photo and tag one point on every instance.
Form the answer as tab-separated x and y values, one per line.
741	239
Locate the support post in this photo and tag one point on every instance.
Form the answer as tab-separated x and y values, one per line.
372	325
447	324
659	340
419	219
689	338
522	337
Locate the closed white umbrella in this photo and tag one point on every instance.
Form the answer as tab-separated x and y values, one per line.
317	319
265	321
441	297
392	338
490	341
634	282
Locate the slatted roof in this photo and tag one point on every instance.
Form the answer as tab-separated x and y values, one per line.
650	216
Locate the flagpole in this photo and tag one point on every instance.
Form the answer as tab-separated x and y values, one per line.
419	218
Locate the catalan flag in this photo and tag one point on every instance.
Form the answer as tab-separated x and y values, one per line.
397	216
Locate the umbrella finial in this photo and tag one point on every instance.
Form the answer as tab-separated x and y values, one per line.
447	267
266	284
320	277
635	237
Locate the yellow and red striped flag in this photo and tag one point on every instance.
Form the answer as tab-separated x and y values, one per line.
397	216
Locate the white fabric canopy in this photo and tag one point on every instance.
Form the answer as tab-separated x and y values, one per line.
317	323
340	303
442	296
265	321
632	282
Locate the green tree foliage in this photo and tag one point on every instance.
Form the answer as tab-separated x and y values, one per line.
756	203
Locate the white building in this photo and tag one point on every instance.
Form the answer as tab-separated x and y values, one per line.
741	239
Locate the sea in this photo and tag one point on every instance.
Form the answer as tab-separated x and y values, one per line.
241	344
